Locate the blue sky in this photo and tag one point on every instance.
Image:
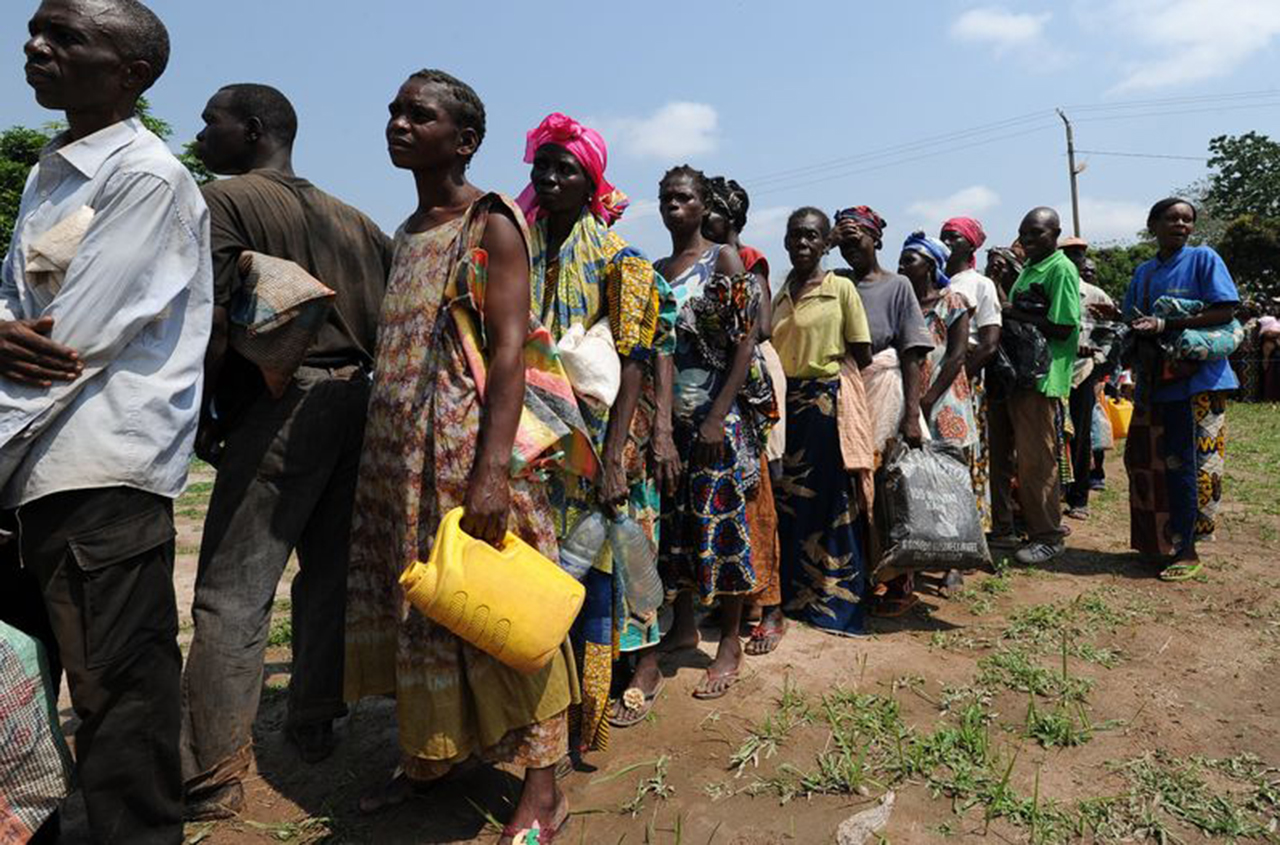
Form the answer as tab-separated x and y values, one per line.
828	104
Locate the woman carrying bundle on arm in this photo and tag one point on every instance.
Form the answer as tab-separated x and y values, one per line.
818	326
583	274
1176	444
434	441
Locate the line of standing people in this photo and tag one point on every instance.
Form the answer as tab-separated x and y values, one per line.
411	400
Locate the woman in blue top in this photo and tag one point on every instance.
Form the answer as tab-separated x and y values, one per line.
1174	452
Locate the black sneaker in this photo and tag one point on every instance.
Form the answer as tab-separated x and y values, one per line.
314	741
219	802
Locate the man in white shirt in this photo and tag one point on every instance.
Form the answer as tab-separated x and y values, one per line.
100	374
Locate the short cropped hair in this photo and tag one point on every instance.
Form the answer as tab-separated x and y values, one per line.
140	35
464	104
268	105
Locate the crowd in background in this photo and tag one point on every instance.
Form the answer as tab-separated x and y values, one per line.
696	433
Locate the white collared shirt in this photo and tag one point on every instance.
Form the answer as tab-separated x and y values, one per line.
136	304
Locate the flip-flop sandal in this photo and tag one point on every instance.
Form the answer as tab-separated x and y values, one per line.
728	679
764	639
1078	513
1181	571
892	608
540	835
641	711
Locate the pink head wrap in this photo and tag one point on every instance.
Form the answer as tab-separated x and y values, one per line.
971	230
588	147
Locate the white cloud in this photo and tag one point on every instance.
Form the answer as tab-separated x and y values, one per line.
1000	28
1190	40
675	130
1103	220
972	201
766	228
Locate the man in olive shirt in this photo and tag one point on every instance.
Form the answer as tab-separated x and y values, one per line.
1022	427
287	466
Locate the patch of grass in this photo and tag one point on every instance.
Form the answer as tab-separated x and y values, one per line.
1061	726
194	501
1017	669
764	740
1250	479
305	830
1165	793
655	785
980	599
281	625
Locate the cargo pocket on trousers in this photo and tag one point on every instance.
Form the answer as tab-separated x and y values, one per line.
127	581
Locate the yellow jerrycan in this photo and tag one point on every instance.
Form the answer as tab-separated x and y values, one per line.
511	603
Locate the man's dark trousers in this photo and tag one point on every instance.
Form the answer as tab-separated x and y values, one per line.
286	482
104	561
1081	404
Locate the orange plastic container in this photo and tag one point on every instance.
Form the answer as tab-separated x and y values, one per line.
512	603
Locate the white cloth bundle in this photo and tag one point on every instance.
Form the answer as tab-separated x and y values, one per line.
591	361
49	255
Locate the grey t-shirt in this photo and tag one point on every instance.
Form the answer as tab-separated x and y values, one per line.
893	314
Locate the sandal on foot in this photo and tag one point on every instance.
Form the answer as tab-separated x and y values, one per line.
634	701
539	834
1080	513
764	639
704	690
1183	570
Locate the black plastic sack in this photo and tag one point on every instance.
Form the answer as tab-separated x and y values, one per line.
932	516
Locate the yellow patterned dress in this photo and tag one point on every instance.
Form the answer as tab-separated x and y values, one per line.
597	275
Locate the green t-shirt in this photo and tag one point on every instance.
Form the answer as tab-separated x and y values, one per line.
1061	283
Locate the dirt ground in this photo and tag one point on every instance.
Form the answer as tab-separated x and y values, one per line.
1165	697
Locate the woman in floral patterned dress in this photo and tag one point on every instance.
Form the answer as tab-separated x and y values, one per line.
435	441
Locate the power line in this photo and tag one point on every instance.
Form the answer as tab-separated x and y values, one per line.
1140	155
1037	121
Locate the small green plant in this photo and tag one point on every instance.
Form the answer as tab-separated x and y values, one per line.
655	785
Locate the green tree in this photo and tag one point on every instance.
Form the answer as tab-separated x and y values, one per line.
1250	246
20	150
1115	265
1245	178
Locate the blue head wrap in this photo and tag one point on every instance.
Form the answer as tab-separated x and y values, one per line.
933	249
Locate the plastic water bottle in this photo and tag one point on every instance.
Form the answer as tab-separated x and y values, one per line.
637	560
578	550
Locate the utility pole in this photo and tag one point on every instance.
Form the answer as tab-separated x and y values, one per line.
1071	165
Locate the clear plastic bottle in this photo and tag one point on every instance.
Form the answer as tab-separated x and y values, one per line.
581	547
637	561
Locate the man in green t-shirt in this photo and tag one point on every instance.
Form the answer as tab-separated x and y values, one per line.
1022	429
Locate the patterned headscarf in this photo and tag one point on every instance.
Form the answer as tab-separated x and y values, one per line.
866	217
933	249
972	232
588	147
1008	255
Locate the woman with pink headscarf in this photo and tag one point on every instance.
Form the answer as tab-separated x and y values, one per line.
964	236
585	275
